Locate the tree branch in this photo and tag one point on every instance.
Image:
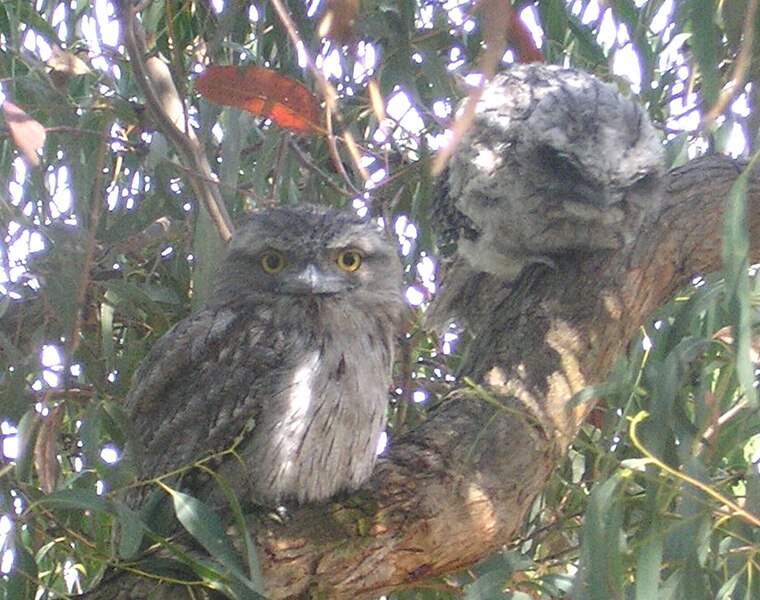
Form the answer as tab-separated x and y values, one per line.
161	98
456	489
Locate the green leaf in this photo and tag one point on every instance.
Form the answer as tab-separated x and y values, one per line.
735	256
22	581
207	529
90	431
131	532
106	334
236	122
254	567
131	527
28	427
648	568
207	247
705	44
601	564
5	24
488	587
29	16
79	499
133	299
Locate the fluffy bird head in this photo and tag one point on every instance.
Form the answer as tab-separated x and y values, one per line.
309	253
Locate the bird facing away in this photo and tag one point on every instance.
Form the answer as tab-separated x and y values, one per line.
289	365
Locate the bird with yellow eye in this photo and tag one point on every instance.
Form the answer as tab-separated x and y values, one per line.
289	363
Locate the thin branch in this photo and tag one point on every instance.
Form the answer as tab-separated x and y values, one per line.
743	62
160	94
496	26
277	172
330	96
740	512
309	164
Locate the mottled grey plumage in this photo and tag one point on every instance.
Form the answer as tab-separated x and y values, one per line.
291	367
555	161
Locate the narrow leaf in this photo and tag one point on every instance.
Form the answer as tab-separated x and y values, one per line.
131	531
601	564
207	529
735	255
27	432
22	583
79	499
254	567
705	44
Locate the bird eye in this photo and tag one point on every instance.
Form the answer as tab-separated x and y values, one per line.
272	261
349	260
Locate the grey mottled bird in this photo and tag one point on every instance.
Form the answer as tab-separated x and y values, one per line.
289	365
555	161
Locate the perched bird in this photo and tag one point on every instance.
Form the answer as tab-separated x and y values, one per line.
284	376
555	161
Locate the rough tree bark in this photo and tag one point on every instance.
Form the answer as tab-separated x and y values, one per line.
457	487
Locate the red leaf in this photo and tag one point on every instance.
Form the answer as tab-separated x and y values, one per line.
263	92
27	134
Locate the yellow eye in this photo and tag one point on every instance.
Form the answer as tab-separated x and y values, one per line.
349	260
272	261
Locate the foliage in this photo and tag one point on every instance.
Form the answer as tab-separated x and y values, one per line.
96	283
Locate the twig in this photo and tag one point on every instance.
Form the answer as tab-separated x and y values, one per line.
495	24
717	496
330	96
185	143
307	163
277	172
335	155
743	62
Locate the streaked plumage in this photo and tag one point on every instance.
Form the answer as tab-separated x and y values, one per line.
290	363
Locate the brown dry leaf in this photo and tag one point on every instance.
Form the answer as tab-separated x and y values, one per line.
725	335
63	65
261	91
67	62
28	135
338	22
46	449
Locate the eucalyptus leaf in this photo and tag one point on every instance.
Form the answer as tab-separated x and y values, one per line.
206	528
22	581
735	252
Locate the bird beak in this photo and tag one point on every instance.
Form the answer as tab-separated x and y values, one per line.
313	280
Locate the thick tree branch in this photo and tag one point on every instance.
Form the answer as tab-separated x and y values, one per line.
456	489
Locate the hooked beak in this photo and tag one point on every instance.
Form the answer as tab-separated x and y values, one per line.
313	280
